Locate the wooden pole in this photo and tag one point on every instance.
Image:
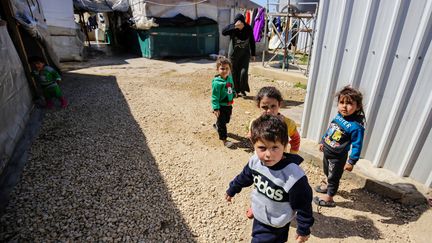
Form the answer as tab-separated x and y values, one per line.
19	45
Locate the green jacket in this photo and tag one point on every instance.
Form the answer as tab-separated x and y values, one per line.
48	77
223	92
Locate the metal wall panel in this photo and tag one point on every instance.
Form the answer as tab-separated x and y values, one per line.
382	48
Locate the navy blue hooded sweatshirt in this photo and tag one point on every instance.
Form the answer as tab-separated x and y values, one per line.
281	192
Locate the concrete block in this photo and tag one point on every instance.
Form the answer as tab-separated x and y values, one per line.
376	180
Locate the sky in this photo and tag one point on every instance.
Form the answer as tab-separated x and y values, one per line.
260	2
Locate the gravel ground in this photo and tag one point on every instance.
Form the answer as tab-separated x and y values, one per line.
135	158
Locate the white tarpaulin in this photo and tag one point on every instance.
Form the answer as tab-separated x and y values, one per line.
15	97
31	17
59	13
59	16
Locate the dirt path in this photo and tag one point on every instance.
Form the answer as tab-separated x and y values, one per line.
135	157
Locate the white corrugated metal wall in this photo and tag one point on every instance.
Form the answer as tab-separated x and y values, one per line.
382	47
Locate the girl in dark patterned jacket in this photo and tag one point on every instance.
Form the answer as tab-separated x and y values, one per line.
344	133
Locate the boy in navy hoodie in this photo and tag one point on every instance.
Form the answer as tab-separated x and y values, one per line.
281	190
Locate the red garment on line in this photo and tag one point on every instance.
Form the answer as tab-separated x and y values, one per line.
248	17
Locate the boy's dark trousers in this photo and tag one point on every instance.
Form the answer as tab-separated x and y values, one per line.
333	169
223	119
262	233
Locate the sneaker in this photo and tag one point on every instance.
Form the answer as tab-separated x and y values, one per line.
63	103
229	144
49	104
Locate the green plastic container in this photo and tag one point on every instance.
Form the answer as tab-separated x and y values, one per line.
178	42
108	36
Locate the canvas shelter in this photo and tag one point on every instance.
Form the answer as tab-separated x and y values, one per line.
66	36
222	12
23	33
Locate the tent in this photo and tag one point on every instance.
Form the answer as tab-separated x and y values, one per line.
66	36
221	11
15	97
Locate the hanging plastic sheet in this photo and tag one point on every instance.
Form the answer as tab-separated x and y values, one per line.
15	97
102	6
30	15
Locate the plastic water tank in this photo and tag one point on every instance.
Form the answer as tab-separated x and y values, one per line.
299	6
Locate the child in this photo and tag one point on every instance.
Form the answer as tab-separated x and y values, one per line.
345	131
281	190
222	98
48	79
269	101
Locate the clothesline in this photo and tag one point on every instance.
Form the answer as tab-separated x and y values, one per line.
172	5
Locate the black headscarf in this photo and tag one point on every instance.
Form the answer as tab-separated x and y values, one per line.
246	31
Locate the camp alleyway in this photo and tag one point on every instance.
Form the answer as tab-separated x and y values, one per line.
135	158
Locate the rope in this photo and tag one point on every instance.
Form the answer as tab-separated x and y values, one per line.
174	5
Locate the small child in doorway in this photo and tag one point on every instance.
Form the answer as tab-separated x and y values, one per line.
345	131
48	78
269	100
222	98
281	190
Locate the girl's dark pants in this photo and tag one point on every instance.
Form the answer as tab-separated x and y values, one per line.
333	169
262	233
223	119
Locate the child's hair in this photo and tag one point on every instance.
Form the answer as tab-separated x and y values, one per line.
223	61
270	92
271	128
35	59
353	95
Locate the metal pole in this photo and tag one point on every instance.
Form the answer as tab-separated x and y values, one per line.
265	34
287	27
312	39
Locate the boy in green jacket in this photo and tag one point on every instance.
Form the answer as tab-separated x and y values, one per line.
49	79
222	98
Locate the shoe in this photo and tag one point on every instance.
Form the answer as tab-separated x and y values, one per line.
318	201
243	93
229	144
63	103
49	104
320	189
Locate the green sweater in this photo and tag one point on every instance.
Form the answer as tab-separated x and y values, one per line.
222	92
47	77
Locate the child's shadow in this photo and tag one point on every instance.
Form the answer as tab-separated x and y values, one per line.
242	142
361	200
334	227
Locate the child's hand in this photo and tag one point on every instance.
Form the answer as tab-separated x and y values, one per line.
217	113
228	198
300	238
249	135
348	167
321	147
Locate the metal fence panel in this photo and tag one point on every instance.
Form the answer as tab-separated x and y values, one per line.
382	48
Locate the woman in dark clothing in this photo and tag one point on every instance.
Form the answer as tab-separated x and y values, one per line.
241	49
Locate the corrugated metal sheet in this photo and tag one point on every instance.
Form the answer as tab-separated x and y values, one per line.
384	49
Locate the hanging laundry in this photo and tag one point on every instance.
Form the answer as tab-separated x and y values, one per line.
248	17
253	16
259	24
92	23
278	24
